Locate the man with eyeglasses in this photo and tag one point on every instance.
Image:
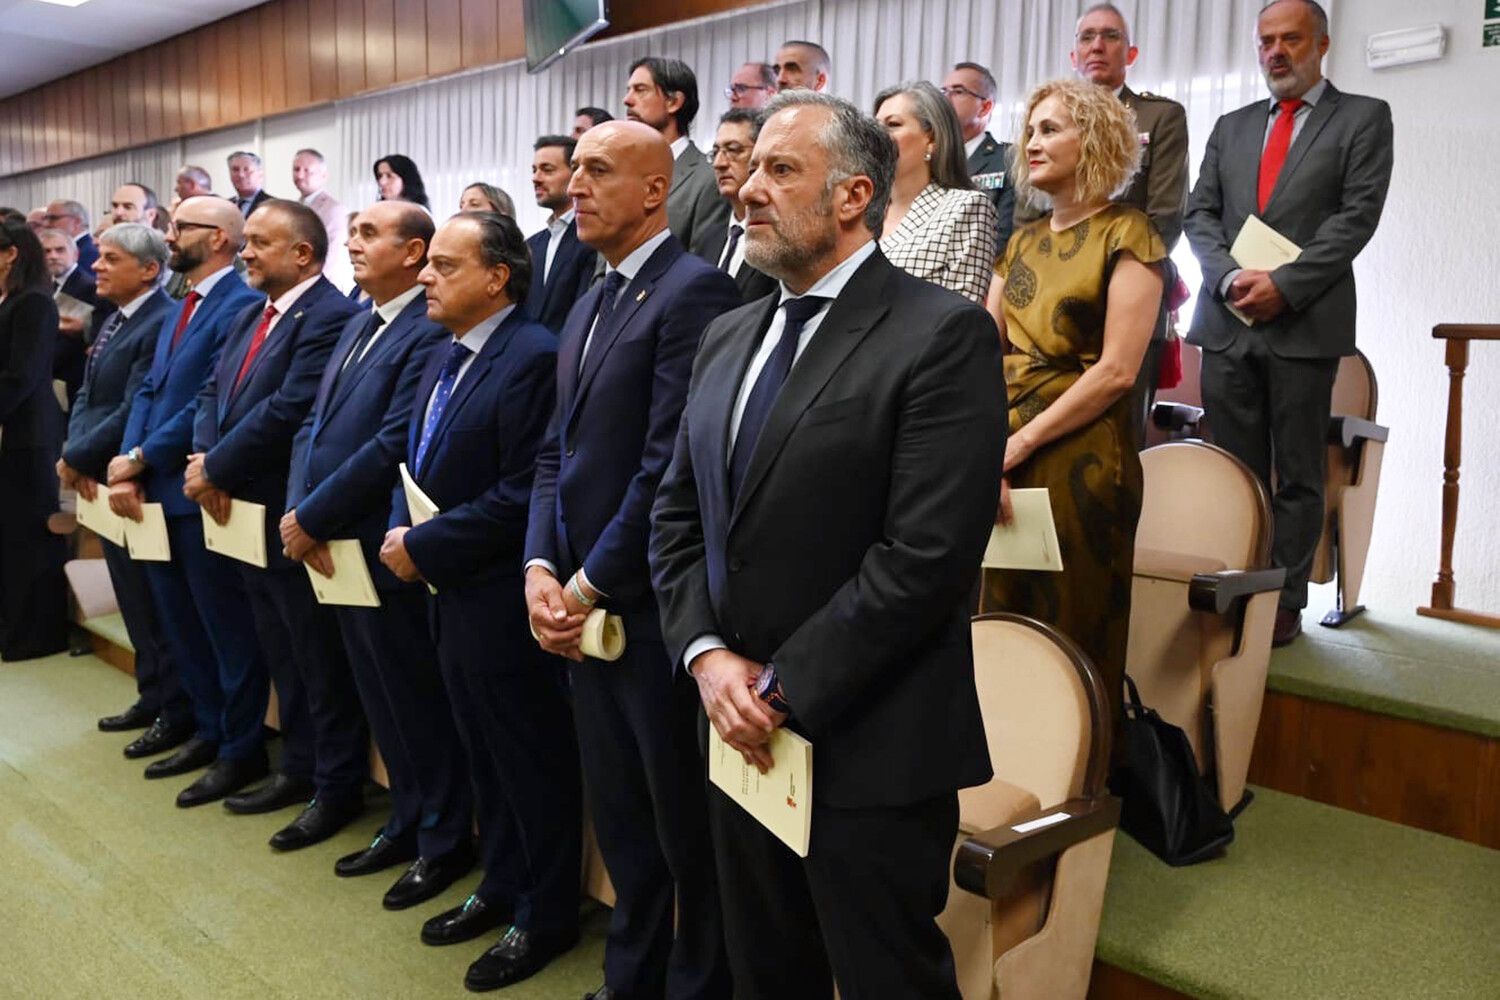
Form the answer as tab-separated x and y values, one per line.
1101	53
725	244
752	85
72	218
971	88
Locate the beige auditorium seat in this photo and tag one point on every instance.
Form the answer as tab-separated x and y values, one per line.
1034	843
1356	445
1203	603
1178	411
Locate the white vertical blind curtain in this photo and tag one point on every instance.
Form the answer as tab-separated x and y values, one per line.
480	125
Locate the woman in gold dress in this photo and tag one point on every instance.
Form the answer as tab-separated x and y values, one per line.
1076	295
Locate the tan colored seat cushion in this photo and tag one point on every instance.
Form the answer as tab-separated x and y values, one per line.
1178	567
995	803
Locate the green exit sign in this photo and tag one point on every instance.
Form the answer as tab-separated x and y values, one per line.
1492	34
1491	8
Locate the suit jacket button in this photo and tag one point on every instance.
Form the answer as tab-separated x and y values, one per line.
735	565
569	453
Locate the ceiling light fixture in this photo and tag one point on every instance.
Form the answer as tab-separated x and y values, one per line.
65	3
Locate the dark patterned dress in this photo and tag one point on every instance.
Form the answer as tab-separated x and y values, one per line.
1056	284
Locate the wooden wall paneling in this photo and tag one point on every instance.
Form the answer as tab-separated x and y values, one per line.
227	61
444	36
411	39
171	89
380	44
206	51
271	25
65	115
51	145
296	50
322	48
245	30
479	35
135	75
512	31
10	140
181	51
26	114
151	94
349	45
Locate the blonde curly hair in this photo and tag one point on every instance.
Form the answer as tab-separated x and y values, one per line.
1110	148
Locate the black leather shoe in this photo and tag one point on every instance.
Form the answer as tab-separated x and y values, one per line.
518	955
193	754
319	821
382	853
158	739
137	716
1287	627
224	778
463	922
278	793
429	877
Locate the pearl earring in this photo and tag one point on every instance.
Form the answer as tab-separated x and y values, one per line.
927	156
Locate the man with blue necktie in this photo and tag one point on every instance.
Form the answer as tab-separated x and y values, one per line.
477	420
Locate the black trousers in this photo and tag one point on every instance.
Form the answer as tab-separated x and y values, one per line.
156	681
401	687
511	709
33	589
1272	413
323	735
861	909
644	775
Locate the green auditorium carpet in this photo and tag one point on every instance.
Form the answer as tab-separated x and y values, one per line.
1393	662
1311	902
107	889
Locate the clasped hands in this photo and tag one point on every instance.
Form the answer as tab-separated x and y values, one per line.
1256	295
556	613
299	546
125	493
86	486
726	686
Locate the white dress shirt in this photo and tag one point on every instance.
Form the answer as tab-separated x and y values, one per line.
474	340
289	299
679	146
972	144
629	267
737	259
556	229
130	308
207	284
388	314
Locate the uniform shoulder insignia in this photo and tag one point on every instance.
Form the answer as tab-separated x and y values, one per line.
1151	97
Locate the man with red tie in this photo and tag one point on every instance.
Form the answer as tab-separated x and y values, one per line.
1313	163
248	415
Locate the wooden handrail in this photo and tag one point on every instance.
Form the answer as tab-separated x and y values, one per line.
1458	336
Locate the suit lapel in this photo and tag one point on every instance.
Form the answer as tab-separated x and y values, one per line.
1316	119
471	380
858	308
748	338
570	345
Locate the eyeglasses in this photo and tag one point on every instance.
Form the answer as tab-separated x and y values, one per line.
1091	36
958	90
741	89
733	150
178	227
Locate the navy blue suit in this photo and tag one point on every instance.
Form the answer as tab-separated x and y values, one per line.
88	252
198	596
607	448
343	470
509	698
246	432
572	272
95	426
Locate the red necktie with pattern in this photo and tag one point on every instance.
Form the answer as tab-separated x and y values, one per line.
1274	156
255	341
189	305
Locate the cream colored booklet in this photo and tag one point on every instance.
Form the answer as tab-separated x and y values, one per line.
1029	541
96	516
603	636
1260	248
242	537
781	799
350	584
147	538
418	505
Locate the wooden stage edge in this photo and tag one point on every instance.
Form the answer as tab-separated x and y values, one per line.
1111	982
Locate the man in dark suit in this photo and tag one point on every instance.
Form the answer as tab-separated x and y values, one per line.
478	417
731	161
248	414
622	372
1102	53
563	268
248	176
197	595
61	255
344	467
73	218
1314	164
815	544
131	259
971	89
663	93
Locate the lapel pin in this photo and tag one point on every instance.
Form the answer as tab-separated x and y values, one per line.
640	296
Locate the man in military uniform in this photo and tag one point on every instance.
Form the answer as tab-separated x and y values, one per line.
971	88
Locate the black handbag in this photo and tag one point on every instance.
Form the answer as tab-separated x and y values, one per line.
1168	807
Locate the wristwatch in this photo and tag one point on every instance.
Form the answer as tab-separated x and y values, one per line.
136	455
768	690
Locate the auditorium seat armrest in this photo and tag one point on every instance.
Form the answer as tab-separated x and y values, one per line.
1176	416
1347	430
1218	593
988	863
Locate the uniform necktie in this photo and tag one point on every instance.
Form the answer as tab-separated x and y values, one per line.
768	385
457	355
357	352
110	329
1277	145
189	305
609	295
258	338
735	232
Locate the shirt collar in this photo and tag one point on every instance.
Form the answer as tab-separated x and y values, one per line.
562	222
393	308
740	220
476	338
130	308
831	285
972	144
62	279
680	145
1311	98
207	284
291	295
636	259
307	198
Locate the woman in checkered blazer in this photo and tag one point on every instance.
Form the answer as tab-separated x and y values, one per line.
937	226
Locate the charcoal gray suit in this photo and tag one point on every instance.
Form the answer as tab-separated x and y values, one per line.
694	205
